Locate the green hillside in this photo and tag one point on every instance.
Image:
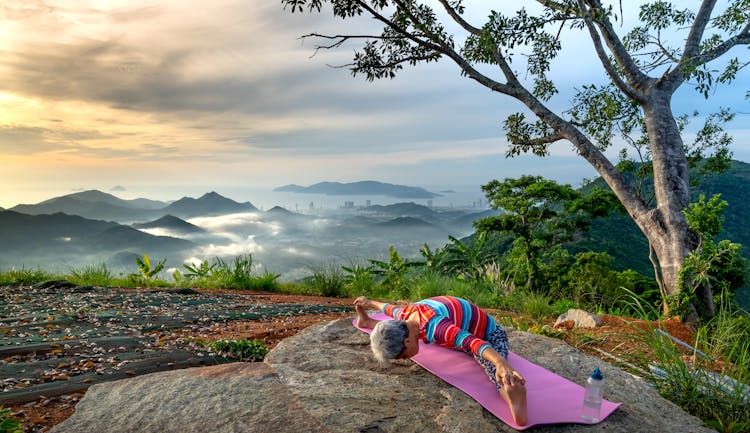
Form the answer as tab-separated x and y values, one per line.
620	237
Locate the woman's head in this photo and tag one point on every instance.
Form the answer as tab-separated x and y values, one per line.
387	339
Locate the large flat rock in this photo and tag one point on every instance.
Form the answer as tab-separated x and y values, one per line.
232	398
325	379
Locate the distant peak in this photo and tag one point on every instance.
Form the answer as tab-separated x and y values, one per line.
278	209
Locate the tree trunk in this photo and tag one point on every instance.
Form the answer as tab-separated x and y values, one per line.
665	226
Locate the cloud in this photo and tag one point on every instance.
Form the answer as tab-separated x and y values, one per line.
247	246
118	188
23	140
167	93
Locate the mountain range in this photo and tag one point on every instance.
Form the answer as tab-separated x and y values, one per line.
95	204
62	239
618	235
366	187
92	227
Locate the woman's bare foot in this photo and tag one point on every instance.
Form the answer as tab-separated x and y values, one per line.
363	319
515	395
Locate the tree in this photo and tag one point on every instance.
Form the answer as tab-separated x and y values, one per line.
540	214
642	68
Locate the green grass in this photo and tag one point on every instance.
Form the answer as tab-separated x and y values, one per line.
91	275
327	280
535	305
699	385
23	276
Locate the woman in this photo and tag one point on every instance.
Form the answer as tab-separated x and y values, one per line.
447	321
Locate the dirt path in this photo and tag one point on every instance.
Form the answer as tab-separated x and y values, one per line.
56	340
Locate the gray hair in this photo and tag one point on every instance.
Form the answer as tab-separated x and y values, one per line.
387	339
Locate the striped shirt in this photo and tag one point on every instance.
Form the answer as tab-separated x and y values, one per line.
448	321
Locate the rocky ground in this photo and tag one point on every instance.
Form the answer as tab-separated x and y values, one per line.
57	340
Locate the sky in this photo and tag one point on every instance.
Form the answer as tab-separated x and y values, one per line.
162	99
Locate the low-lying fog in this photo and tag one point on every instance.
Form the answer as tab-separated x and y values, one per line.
293	244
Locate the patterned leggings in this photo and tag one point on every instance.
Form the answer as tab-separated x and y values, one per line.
498	339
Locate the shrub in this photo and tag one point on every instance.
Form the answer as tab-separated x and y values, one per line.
244	350
359	279
535	305
327	280
479	294
430	283
563	305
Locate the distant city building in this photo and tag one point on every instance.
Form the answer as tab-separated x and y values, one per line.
312	206
348	205
429	203
368	203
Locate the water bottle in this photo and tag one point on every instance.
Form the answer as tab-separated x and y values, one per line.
592	398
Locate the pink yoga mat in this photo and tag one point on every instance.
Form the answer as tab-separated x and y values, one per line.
551	399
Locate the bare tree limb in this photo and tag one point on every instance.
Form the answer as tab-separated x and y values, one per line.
339	40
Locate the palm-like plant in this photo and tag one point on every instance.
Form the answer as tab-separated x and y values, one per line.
145	268
467	259
195	270
394	270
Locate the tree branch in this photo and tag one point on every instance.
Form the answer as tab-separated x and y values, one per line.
555	6
632	73
665	52
505	68
406	34
702	18
541	141
741	38
604	59
627	195
339	40
408	59
459	19
466	67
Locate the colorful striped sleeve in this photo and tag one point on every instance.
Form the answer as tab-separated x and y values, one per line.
391	310
446	333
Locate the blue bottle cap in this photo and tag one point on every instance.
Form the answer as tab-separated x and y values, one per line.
597	374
